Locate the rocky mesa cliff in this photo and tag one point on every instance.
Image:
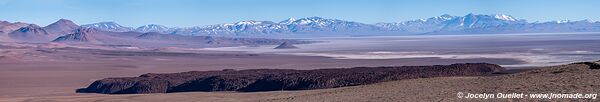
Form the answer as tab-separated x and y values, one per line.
278	79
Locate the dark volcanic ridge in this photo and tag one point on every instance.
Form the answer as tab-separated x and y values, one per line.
279	79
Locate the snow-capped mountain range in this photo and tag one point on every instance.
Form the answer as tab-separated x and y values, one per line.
108	26
444	24
152	28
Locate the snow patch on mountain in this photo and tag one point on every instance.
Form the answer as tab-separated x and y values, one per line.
108	26
152	28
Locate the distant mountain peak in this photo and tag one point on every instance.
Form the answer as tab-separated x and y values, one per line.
563	21
250	22
445	23
505	17
7	27
6	22
495	16
108	26
470	14
62	20
31	33
62	26
152	28
288	21
32	26
309	20
445	17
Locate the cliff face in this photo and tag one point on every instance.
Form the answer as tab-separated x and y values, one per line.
278	79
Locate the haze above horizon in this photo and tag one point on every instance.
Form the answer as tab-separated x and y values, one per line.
185	13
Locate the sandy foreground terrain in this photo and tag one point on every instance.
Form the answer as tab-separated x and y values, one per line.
573	78
52	70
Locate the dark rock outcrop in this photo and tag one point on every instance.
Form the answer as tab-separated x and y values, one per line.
285	45
279	79
592	65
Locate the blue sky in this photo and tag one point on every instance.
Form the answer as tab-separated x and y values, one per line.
185	13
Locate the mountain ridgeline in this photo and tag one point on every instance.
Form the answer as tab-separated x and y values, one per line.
255	80
66	30
317	26
108	33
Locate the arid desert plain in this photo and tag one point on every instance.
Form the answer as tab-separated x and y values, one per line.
53	71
